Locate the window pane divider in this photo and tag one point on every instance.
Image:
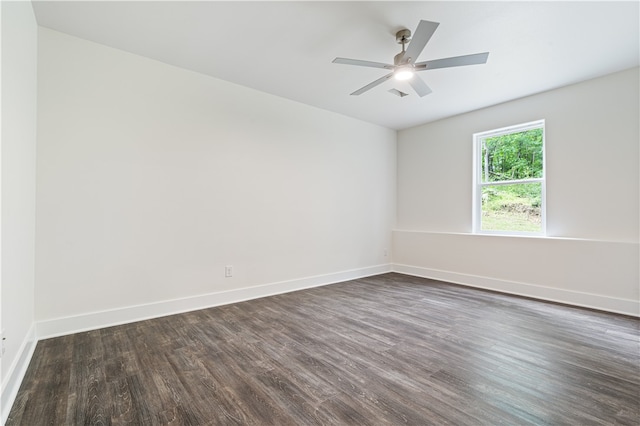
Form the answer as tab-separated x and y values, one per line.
512	182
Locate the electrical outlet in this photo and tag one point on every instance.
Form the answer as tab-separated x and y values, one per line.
385	253
228	271
2	340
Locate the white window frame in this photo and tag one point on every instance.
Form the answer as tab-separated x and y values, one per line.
478	138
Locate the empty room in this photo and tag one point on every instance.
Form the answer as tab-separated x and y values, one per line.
320	213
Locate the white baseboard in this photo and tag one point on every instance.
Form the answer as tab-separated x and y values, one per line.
95	320
16	373
587	300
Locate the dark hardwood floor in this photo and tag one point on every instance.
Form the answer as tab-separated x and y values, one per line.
390	349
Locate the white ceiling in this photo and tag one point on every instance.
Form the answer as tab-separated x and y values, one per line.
286	48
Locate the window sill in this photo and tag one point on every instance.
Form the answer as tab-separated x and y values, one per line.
533	237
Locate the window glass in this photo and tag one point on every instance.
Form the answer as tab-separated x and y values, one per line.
509	180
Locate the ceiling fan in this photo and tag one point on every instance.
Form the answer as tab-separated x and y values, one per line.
404	63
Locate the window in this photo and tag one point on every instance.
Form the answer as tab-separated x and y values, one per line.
509	183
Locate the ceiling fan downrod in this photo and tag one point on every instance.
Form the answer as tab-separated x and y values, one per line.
402	37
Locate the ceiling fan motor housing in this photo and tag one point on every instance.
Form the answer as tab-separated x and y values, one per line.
402	37
399	59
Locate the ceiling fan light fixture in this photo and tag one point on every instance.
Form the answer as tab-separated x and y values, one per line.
403	73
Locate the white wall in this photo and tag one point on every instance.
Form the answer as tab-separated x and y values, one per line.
152	178
593	186
18	170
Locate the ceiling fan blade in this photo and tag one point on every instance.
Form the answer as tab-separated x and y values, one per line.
419	40
456	61
419	86
372	84
347	61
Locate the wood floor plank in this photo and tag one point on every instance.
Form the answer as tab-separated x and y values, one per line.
384	350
